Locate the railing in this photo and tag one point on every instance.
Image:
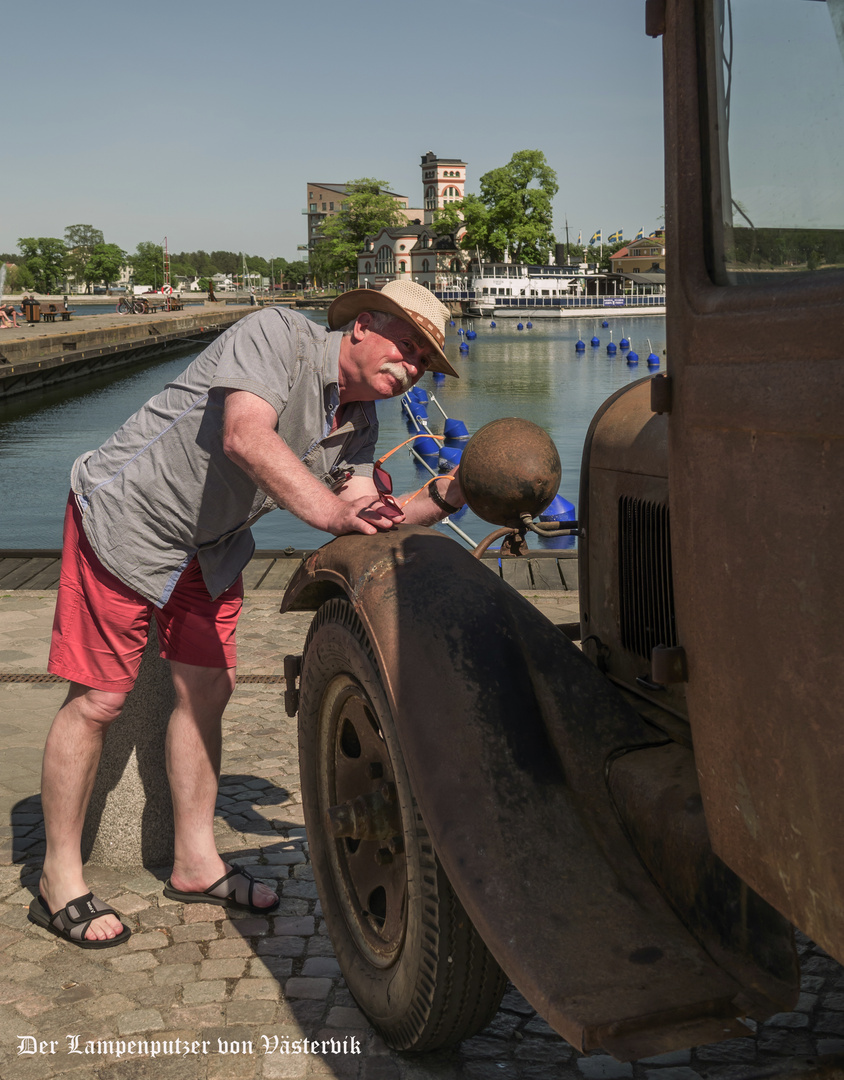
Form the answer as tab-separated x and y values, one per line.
569	302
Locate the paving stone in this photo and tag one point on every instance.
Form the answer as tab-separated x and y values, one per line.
604	1068
199	931
342	1017
282	946
260	1011
129	903
133	961
152	939
676	1072
321	966
200	993
231	968
673	1057
141	1020
228	947
174	974
256	990
311	989
254	926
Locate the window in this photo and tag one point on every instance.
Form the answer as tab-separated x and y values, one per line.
402	267
323	206
367	268
331	206
425	266
384	261
777	208
313	207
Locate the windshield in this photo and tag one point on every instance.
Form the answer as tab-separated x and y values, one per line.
777	73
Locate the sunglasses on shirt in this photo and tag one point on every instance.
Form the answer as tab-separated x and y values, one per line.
384	482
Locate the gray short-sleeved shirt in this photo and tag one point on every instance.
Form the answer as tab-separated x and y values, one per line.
161	490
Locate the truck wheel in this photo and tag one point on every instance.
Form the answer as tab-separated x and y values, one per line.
410	956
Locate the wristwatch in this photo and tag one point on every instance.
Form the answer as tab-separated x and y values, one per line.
439	501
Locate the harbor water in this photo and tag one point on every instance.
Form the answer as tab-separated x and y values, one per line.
535	373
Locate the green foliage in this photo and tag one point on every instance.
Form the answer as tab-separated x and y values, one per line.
45	260
18	278
81	240
789	249
105	264
513	212
148	264
295	273
365	210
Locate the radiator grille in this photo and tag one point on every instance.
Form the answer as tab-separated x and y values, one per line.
646	592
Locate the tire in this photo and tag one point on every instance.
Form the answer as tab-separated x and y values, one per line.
408	952
124	307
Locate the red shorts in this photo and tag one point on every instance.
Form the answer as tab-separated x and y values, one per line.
100	626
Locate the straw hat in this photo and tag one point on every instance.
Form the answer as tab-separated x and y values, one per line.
406	300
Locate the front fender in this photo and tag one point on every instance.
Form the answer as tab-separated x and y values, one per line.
507	732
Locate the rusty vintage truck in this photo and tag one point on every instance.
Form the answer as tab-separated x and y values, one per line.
628	828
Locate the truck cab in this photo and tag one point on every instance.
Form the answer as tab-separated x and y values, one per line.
628	827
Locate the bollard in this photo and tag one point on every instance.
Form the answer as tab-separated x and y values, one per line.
130	816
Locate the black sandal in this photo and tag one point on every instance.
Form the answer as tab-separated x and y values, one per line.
74	919
234	889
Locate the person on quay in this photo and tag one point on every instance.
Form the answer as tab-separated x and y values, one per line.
278	412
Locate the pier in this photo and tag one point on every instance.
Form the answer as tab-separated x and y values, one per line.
36	355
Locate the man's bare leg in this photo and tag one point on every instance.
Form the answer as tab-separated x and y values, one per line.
194	745
71	756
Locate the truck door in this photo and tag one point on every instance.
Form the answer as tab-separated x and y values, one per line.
755	398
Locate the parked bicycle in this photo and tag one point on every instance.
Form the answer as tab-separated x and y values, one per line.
132	305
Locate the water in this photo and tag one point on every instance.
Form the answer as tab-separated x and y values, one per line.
535	374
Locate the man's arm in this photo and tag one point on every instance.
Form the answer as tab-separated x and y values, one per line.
251	441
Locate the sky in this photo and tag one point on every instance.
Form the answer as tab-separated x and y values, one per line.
203	122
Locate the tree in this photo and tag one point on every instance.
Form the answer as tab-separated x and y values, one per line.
513	212
365	210
105	263
295	273
148	264
45	260
81	241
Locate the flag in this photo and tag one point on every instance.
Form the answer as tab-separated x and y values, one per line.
615	238
640	235
580	239
596	238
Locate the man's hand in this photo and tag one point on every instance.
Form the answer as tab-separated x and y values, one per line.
369	515
251	441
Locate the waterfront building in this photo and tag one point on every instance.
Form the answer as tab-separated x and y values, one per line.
326	200
643	256
443	182
430	259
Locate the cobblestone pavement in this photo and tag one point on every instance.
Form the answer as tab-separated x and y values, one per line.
217	997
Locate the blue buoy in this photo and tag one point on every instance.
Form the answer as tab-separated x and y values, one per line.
439	376
624	343
416	393
451	323
460	330
529	324
605	323
596	341
471	335
653	360
418	412
455	432
492	324
464	348
560	509
427	448
450	457
632	357
519	326
580	346
612	348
